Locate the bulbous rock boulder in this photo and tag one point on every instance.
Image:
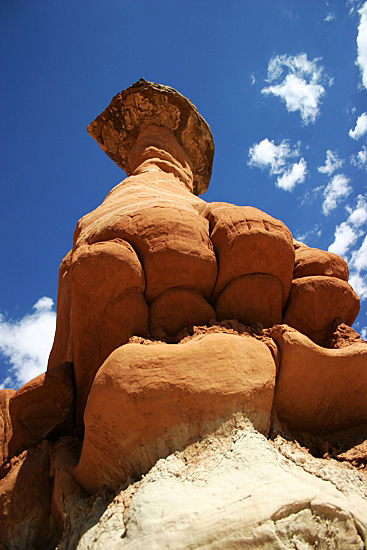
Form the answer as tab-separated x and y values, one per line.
148	401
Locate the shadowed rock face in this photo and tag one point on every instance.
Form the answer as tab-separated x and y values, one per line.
174	319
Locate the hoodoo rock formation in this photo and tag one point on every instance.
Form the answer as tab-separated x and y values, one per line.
204	366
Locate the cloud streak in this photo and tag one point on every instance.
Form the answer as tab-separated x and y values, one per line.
336	190
362	44
301	88
360	159
26	343
346	235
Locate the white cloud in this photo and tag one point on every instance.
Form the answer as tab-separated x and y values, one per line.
336	190
360	159
268	155
358	216
276	159
362	44
329	17
302	88
332	163
359	257
361	127
364	333
359	284
346	235
293	175
26	343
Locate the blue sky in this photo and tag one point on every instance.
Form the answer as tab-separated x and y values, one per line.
283	85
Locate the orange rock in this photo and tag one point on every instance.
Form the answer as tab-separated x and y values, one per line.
251	299
25	496
150	400
312	261
169	236
178	308
108	306
6	428
62	349
249	241
316	302
39	406
320	390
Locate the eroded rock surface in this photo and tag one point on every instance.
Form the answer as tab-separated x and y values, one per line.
236	489
185	331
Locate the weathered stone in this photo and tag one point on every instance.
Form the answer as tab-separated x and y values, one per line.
251	299
6	428
152	262
143	104
25	496
62	349
312	261
249	241
237	490
177	308
107	307
39	406
316	302
150	400
320	390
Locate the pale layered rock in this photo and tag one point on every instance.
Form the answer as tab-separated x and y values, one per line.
235	489
247	241
318	389
39	406
150	400
316	302
312	261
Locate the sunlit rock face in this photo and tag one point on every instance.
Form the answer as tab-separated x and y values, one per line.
180	321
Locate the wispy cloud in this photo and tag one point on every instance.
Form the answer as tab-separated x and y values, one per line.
276	159
347	234
336	190
299	82
361	127
311	234
26	343
360	159
329	17
332	163
362	43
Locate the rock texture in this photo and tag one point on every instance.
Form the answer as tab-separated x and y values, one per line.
234	489
191	338
148	401
318	389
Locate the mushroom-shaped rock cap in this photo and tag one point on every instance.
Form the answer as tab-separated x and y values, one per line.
145	103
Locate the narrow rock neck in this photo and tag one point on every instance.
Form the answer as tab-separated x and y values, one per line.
157	150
